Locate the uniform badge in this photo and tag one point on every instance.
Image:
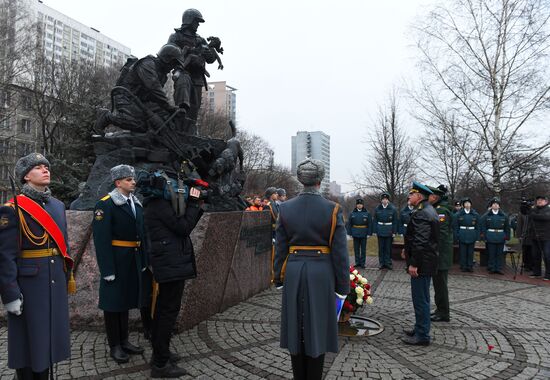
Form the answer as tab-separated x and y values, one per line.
98	214
4	221
441	218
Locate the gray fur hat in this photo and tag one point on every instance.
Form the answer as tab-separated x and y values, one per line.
310	172
25	164
281	192
122	171
270	191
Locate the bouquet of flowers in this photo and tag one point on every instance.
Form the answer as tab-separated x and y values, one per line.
359	293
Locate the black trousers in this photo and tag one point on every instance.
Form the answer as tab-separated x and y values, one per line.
116	326
307	368
27	374
527	256
166	312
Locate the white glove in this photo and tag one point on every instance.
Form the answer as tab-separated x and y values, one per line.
340	296
15	307
279	287
109	278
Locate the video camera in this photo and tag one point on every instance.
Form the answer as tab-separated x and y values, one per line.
527	202
158	184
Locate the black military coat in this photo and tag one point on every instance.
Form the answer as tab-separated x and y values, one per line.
421	239
114	220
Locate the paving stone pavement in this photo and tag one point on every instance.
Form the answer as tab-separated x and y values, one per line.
500	329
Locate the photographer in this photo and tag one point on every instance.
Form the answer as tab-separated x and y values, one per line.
538	231
168	226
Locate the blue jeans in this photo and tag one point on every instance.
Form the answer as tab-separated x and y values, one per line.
466	255
541	250
496	256
384	251
360	249
420	290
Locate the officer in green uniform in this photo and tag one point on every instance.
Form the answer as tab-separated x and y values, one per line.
118	235
466	231
495	230
445	259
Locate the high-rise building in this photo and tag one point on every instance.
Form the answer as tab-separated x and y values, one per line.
220	98
314	145
335	189
64	37
60	38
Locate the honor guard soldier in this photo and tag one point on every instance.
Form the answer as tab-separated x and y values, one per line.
35	273
421	251
311	265
445	239
385	227
466	225
118	235
404	217
359	227
495	230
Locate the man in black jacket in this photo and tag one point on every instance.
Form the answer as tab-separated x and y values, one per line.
538	231
173	262
421	253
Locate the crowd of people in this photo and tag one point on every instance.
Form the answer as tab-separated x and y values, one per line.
145	255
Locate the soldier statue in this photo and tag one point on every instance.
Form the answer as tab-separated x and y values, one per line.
139	100
190	77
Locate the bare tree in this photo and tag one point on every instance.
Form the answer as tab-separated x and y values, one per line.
487	61
441	146
391	167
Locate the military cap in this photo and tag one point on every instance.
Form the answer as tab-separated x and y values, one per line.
384	195
122	171
310	172
464	200
270	191
281	192
420	188
359	201
541	197
458	203
494	200
440	191
26	163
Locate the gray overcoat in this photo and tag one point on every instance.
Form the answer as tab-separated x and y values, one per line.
310	279
40	335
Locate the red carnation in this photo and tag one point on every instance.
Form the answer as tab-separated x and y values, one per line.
367	286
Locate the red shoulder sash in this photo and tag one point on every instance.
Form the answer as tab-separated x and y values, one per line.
42	217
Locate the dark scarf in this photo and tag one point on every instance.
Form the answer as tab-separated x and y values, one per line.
35	195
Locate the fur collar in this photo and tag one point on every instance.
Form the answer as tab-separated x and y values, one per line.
119	199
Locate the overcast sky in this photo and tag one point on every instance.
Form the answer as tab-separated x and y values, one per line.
298	65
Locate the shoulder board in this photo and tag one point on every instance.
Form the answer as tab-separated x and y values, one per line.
106	197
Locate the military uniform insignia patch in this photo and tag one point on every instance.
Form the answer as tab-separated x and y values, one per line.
99	214
4	221
441	218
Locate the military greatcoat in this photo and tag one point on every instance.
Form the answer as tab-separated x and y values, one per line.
310	277
114	220
40	335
